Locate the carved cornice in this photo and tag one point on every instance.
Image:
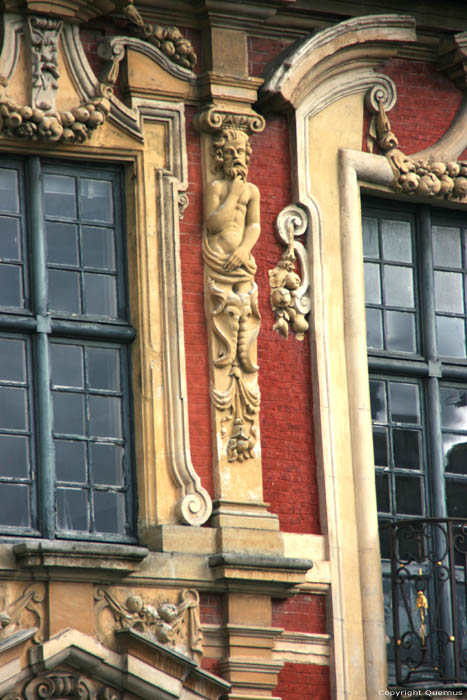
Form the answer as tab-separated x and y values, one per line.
289	294
216	118
174	624
415	175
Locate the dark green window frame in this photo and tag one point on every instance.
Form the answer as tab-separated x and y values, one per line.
441	378
64	335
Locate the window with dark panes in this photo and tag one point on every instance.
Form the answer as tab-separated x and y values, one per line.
415	264
65	422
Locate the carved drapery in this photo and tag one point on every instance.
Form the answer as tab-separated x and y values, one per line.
173	623
289	295
231	229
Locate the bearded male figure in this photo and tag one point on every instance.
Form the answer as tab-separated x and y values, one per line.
232	214
232	229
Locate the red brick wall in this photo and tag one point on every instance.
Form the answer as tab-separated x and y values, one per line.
303	682
211	608
196	348
302	613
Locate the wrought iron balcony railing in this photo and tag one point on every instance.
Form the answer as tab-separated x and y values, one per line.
429	599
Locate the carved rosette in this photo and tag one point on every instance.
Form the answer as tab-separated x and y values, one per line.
289	295
426	178
173	623
14	613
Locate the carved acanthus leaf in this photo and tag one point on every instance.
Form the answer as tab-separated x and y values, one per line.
426	178
289	295
164	621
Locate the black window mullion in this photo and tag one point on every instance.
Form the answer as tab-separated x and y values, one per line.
45	447
435	472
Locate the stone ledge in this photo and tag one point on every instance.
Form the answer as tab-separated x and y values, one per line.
272	574
119	559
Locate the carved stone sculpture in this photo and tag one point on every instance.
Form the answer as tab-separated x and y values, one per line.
40	120
12	613
176	624
426	178
44	33
289	293
231	230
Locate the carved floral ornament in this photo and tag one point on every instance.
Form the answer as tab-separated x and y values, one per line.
175	624
426	178
40	120
289	295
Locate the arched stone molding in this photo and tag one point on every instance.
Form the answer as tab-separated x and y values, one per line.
324	79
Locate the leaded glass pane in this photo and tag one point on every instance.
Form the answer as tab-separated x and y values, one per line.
372	283
453	408
404	402
103	368
98	247
107	464
67	365
409	495
72	510
9	190
370	237
12	360
451	336
407	448
383	493
14	460
109	512
15	505
13	408
105	416
70	461
447	251
378	401
397	240
10	238
400	331
398	286
374	328
62	243
380	446
59	196
11	286
455	453
69	413
100	295
456	497
449	292
64	291
96	200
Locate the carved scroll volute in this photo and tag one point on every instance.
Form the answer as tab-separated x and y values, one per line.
230	232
